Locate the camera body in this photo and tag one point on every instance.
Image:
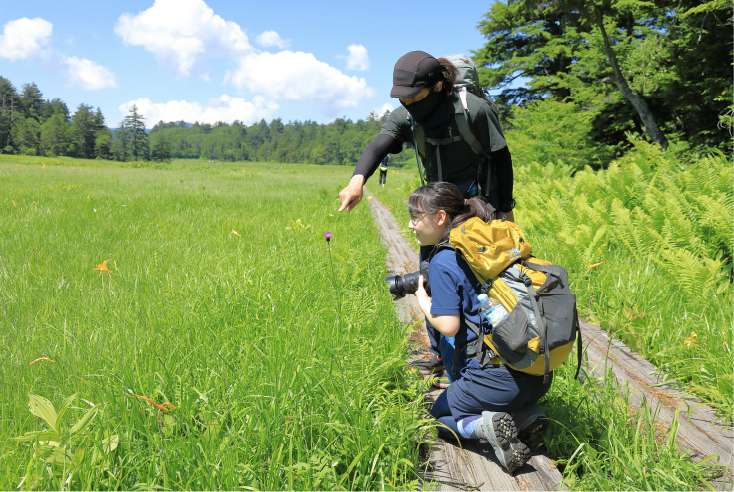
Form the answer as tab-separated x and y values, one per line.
408	283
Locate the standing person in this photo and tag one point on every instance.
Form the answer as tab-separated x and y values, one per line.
425	88
383	170
478	403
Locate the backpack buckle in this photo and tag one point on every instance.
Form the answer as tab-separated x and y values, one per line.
526	280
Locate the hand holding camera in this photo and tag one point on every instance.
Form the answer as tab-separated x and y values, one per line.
408	283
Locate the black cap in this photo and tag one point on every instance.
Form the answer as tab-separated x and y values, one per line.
413	72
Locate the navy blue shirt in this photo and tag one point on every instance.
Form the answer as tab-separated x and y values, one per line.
454	291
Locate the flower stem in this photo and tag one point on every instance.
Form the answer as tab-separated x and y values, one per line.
333	278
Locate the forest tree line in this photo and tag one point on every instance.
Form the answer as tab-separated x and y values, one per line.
32	125
598	72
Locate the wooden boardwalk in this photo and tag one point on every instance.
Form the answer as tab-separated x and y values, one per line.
475	467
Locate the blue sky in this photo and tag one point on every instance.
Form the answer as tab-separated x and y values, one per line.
215	60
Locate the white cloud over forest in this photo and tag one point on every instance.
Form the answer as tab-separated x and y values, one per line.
224	108
299	76
182	34
24	38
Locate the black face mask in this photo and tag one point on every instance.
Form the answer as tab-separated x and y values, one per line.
430	112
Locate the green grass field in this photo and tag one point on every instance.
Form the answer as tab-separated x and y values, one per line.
220	302
219	352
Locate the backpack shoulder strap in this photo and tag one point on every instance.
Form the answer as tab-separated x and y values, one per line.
461	110
418	152
440	247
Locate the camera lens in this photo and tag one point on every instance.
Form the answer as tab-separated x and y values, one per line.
397	286
410	282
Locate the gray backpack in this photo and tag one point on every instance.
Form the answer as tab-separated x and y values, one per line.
467	80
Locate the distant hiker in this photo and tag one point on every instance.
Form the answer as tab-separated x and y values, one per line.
383	170
458	135
478	403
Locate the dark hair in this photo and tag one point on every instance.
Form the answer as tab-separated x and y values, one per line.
448	75
440	195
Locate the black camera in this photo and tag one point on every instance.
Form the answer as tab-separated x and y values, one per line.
408	283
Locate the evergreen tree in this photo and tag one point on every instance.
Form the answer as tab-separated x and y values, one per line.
632	66
32	101
102	137
161	149
10	107
121	143
135	125
26	135
53	106
85	129
57	136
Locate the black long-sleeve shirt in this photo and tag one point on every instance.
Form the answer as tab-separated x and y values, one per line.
459	161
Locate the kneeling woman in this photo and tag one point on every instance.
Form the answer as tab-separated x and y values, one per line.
478	403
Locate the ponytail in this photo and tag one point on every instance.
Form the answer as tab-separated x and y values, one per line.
448	75
435	196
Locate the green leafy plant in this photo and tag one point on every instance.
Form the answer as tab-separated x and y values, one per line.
63	446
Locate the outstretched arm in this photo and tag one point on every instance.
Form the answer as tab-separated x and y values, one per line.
368	162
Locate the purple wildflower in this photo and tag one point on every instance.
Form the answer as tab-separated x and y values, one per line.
328	235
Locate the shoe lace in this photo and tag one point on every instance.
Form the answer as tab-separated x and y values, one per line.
429	355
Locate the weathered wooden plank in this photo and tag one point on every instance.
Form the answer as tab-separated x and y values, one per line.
473	467
700	431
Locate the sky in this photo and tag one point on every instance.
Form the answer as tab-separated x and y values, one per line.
215	60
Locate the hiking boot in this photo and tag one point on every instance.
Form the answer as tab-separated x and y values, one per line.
442	380
498	429
530	419
429	364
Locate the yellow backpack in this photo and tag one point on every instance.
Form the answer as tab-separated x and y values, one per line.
539	332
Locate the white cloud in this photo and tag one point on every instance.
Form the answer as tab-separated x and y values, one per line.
272	38
358	59
24	38
182	33
225	109
385	107
87	74
300	76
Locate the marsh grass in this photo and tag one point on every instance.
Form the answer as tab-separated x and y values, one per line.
239	333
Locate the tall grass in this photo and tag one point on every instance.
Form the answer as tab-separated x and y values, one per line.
219	302
648	244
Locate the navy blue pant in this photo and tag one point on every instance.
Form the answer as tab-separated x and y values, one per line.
494	388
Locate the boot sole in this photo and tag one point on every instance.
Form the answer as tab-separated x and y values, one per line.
511	453
535	426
